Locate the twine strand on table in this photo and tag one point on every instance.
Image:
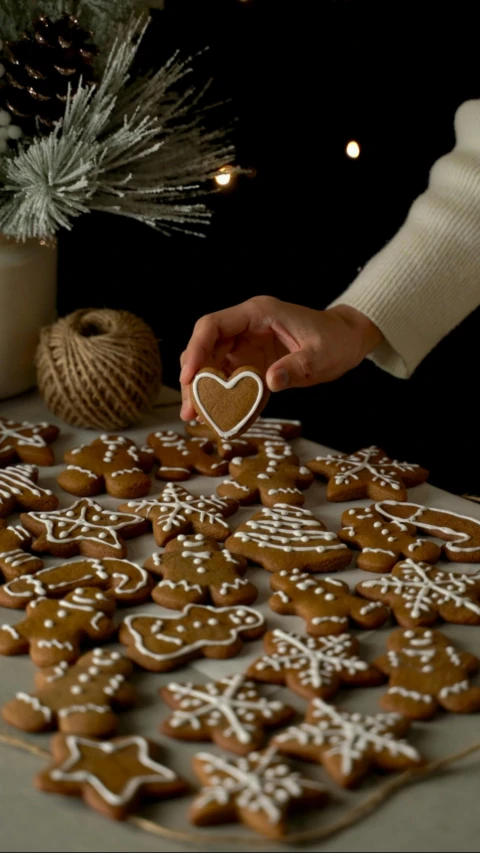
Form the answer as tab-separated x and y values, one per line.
355	815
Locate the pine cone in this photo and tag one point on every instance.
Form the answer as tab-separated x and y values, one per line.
39	69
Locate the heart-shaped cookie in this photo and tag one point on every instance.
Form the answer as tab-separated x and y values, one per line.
230	404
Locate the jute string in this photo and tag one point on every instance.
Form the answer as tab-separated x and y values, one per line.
99	369
371	804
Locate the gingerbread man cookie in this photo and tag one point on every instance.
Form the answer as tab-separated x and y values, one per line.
230	712
53	631
195	570
419	594
83	528
19	490
368	473
79	699
126	582
427	672
349	745
111	776
229	405
26	442
14	558
162	644
326	605
258	790
112	464
383	543
461	532
273	475
313	666
263	430
284	537
176	512
180	458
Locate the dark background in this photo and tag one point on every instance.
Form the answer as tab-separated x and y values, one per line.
303	78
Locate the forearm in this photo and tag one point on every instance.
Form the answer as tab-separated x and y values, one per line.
427	279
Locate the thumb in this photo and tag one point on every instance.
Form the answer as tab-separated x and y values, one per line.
296	370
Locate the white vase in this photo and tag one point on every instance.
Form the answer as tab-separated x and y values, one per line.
28	291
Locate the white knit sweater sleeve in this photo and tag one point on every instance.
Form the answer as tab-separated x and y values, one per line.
426	280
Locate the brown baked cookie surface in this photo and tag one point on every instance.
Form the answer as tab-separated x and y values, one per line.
229	404
112	464
179	458
274	475
263	430
19	490
461	532
26	442
14	557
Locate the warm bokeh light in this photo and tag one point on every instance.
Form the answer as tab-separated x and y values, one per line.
224	176
353	149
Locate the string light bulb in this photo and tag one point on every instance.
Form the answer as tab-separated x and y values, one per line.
224	176
352	150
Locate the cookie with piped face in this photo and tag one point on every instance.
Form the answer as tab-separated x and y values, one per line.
229	404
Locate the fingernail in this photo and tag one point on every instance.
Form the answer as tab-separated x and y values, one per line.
280	380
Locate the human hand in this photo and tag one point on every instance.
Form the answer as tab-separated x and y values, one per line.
292	346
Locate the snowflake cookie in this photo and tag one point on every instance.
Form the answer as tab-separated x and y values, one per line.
112	464
112	776
176	512
126	582
286	537
19	490
164	643
230	712
14	558
26	442
195	570
273	475
313	666
348	744
461	532
262	431
80	699
420	594
326	605
179	458
383	543
53	631
83	528
259	790
427	672
368	473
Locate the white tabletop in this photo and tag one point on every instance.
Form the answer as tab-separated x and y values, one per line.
440	814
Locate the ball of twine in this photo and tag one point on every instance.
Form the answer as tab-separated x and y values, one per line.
98	368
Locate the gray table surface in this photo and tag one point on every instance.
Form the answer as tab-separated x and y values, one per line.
441	814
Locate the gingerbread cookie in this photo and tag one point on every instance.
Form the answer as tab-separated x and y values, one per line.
313	666
111	776
419	594
180	458
273	475
14	558
258	790
368	473
263	430
229	405
79	699
230	712
112	464
348	744
26	442
327	605
176	512
19	491
461	532
383	543
427	672
83	528
195	570
126	582
285	537
54	631
162	644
